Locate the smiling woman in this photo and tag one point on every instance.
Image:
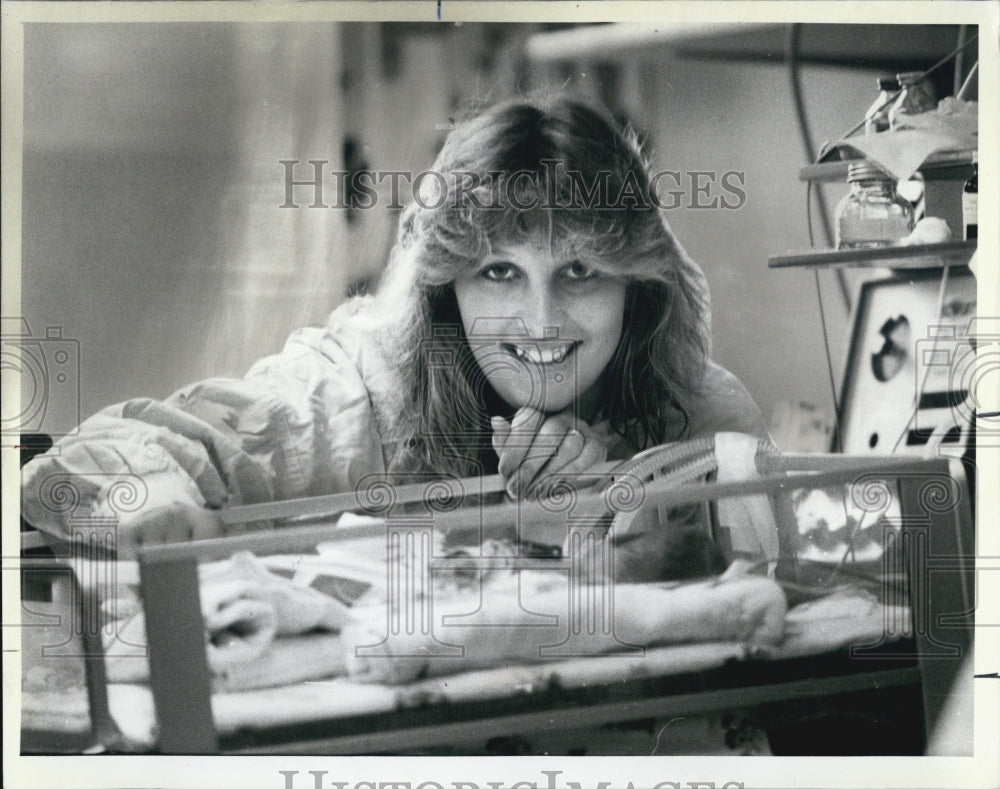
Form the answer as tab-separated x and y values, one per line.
578	325
560	322
530	341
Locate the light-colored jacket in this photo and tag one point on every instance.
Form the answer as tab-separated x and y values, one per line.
313	419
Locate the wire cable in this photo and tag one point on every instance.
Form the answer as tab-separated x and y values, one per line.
837	441
956	83
792	56
969	81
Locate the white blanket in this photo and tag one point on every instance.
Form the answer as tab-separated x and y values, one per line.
251	615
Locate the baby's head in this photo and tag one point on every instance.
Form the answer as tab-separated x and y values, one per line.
537	238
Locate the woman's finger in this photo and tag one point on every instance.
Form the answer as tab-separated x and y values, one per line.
523	427
501	430
572	445
594	452
546	445
581	452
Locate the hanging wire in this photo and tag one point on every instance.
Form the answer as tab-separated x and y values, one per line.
792	56
837	442
969	80
956	84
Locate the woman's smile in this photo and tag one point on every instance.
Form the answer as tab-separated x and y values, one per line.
542	352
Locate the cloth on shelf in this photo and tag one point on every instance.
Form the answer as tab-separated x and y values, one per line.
900	153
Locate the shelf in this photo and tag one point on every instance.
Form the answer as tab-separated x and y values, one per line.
881	47
944	165
950	253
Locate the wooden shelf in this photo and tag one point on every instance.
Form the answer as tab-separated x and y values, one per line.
950	253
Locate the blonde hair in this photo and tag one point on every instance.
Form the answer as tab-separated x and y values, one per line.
538	153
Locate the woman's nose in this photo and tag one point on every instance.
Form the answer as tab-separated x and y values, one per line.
544	313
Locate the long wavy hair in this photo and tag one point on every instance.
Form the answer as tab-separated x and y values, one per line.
541	151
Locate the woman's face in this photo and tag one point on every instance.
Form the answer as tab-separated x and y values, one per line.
542	325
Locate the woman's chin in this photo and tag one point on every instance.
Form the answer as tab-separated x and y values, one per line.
549	400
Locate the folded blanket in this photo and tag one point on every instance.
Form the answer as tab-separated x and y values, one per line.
848	617
527	625
249	614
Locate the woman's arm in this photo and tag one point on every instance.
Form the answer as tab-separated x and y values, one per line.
300	423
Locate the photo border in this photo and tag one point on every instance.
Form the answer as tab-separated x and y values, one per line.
226	771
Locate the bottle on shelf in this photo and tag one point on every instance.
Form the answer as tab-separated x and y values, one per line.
872	214
970	203
877	116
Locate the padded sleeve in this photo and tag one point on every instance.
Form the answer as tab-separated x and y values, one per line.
300	423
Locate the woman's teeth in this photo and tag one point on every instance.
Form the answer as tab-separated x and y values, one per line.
551	354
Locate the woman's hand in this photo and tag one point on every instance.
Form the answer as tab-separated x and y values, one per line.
533	446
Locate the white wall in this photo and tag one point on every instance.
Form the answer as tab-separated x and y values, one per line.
152	230
720	117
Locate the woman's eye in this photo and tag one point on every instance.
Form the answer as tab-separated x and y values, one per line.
579	271
498	272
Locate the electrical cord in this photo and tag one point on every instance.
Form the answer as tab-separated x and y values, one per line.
969	80
826	337
792	56
956	84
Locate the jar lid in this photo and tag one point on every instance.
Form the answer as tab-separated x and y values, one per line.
908	78
866	171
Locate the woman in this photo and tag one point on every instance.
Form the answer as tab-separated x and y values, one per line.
536	318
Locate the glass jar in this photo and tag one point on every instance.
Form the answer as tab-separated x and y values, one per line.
872	214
